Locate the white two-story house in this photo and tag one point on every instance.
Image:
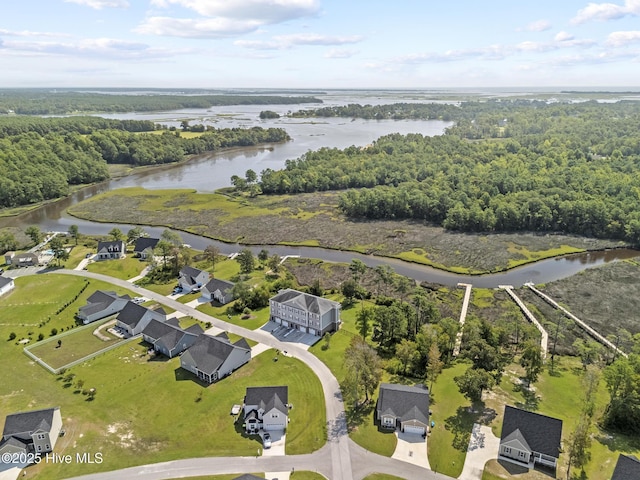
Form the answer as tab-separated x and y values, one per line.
305	312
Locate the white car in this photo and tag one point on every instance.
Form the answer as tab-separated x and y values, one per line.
266	440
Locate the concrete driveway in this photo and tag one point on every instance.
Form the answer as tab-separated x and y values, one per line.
10	472
411	448
483	446
278	439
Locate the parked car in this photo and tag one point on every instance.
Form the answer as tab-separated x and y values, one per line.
266	440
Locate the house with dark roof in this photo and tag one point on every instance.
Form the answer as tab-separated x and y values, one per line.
403	407
144	246
168	338
6	285
528	438
101	304
31	432
305	312
26	259
218	290
213	358
266	408
111	250
248	476
627	468
133	318
191	278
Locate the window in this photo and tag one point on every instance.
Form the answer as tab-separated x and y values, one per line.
506	449
522	454
274	415
39	448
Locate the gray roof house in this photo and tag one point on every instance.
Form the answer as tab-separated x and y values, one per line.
305	312
133	318
26	259
144	246
403	407
168	338
248	476
101	304
6	284
191	278
219	290
109	250
31	432
266	408
529	438
213	358
627	468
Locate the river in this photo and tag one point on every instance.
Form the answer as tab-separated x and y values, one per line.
209	172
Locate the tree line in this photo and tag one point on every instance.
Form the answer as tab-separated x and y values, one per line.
570	168
45	102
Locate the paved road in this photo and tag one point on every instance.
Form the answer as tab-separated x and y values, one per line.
340	459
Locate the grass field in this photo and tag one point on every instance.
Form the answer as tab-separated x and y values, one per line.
76	345
124	268
314	219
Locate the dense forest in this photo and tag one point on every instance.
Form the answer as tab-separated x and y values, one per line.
504	166
44	102
41	158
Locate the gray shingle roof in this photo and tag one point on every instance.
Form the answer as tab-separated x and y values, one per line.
132	313
5	281
305	301
33	421
157	329
627	468
217	284
190	274
113	246
209	353
248	476
143	243
542	433
100	300
405	402
268	398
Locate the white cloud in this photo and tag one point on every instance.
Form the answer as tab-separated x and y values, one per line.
340	53
282	42
537	26
28	33
535	47
196	27
606	11
100	4
266	11
563	37
619	39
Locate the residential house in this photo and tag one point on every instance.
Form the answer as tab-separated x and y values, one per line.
111	250
266	408
133	318
144	246
213	358
101	304
6	285
192	278
31	432
218	290
305	312
403	407
8	257
529	438
248	476
26	259
627	468
168	338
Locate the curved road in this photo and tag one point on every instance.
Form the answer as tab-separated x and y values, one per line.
340	459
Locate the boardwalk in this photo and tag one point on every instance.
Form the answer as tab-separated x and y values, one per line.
463	316
545	336
580	323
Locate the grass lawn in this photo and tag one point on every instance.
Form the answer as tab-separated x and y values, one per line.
366	433
148	411
124	268
77	344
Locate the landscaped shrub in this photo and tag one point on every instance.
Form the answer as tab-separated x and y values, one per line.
12	336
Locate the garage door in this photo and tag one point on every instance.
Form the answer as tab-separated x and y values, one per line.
272	426
416	430
286	324
312	331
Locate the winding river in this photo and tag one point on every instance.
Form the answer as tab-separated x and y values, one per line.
209	172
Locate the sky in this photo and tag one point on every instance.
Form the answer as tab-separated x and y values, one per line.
314	44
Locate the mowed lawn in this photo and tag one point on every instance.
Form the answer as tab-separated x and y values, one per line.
148	411
124	268
76	345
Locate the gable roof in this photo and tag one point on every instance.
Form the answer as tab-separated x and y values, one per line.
404	402
112	246
543	434
305	301
157	329
209	353
143	243
132	313
100	300
217	284
248	476
190	274
23	422
5	281
268	398
627	468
